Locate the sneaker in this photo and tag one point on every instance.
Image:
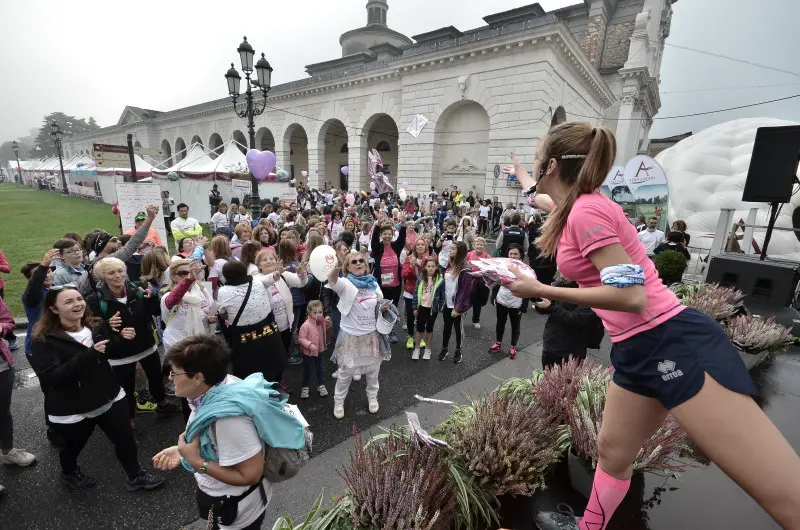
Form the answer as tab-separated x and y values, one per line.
338	411
17	457
13	346
143	407
295	360
426	356
563	519
443	354
497	347
77	480
415	355
393	338
304	393
357	377
335	374
512	353
410	343
169	388
168	410
405	326
373	406
476	325
323	391
422	344
144	481
457	356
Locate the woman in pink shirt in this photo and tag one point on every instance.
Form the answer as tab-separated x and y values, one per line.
668	359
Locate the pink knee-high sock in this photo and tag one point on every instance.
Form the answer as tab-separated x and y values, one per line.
607	494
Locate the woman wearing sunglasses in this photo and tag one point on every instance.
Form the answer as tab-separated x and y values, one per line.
357	348
83	392
186	307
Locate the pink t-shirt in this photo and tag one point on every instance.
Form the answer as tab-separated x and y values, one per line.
471	255
595	222
389	266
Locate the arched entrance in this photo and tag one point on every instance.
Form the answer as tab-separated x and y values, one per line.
215	144
332	140
241	141
382	134
180	149
462	147
265	141
197	140
295	142
166	151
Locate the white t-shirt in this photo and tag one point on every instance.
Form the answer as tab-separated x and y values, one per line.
242	218
651	240
189	224
216	270
175	320
274	218
361	319
219	220
484	211
235	440
506	299
278	307
252	269
230	298
450	285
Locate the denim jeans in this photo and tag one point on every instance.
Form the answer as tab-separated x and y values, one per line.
310	364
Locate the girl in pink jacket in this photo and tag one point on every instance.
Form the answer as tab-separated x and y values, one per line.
312	342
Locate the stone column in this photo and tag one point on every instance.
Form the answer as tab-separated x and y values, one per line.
357	162
596	32
316	165
628	128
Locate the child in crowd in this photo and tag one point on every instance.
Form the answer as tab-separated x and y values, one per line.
219	221
312	342
508	306
459	290
481	291
427	298
412	266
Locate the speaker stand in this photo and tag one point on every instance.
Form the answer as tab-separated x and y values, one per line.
773	216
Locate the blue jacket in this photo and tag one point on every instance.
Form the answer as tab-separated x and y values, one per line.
250	397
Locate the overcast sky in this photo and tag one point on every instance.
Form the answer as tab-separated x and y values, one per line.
93	57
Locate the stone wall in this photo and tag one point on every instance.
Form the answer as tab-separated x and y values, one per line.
618	40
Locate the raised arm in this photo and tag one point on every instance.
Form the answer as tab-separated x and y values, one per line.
136	240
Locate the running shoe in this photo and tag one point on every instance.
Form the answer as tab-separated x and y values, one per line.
457	356
338	411
415	355
410	343
476	325
512	353
443	354
304	393
295	360
497	347
169	388
563	519
393	338
427	355
144	481
17	457
13	346
323	391
143	403
405	326
77	480
373	406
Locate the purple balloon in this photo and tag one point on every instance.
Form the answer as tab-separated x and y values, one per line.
260	163
345	171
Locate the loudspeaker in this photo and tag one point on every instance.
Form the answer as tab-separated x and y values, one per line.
770	282
773	165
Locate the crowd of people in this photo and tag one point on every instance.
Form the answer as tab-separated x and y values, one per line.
235	310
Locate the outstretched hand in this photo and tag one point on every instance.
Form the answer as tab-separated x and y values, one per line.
524	286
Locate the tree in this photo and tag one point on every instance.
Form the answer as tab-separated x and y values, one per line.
69	125
7	154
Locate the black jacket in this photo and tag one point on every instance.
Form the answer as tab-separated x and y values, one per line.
567	328
137	313
512	234
377	252
672	246
78	379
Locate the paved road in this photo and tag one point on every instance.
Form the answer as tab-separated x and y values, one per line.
37	500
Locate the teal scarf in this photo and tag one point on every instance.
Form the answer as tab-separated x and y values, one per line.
367	281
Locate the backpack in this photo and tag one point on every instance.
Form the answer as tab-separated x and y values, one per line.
595	334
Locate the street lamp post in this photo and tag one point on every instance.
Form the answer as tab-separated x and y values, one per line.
15	148
263	81
55	132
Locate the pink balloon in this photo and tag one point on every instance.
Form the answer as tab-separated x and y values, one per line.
372	186
345	171
405	185
304	173
350	199
260	163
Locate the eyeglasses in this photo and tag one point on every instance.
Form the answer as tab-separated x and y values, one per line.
182	274
173	374
357	262
65	286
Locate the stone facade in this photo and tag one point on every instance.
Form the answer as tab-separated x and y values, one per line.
486	93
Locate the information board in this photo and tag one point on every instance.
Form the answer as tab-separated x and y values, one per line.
136	197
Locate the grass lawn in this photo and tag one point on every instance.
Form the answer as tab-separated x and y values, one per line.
31	220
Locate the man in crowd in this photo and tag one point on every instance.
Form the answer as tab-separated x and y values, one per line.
185	226
167	205
214	198
513	234
152	234
651	237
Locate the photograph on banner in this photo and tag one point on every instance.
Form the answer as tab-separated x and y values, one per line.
640	188
135	198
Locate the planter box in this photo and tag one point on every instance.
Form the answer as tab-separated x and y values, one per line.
751	360
581	474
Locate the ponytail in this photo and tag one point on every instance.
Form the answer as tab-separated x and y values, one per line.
581	174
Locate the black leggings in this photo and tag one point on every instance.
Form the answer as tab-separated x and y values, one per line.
126	376
6	421
117	426
409	316
449	323
515	315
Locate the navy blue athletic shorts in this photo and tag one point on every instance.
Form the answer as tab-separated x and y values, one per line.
669	361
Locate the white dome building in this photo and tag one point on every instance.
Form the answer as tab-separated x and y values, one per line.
707	172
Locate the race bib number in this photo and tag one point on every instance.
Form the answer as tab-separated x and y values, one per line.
387	278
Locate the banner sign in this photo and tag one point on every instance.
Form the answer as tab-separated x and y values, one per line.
134	198
640	188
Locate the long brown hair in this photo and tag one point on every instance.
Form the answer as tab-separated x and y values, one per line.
457	263
49	321
287	251
154	264
249	251
579	175
314	240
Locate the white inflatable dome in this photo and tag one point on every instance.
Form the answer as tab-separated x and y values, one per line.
707	172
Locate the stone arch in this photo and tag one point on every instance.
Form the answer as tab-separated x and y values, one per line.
461	154
332	137
265	141
240	139
381	132
215	145
295	144
180	149
559	116
166	150
197	140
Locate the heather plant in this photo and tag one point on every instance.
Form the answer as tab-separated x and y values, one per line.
717	302
398	484
756	335
508	446
558	386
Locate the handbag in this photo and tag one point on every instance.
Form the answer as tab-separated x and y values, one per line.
224	510
227	331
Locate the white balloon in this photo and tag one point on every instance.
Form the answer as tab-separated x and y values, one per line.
402	194
322	261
